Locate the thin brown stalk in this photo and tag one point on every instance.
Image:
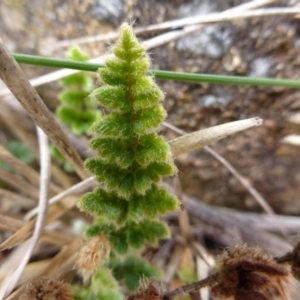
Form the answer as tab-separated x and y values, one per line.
75	189
16	199
54	212
255	194
174	262
19	183
54	267
52	237
209	281
23	169
11	115
183	217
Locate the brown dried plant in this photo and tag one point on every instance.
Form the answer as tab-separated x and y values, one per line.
247	273
94	252
47	289
243	273
147	291
292	258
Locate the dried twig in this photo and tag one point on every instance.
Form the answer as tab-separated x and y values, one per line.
19	183
54	212
10	281
52	237
18	83
216	17
75	189
234	172
250	234
16	199
23	169
212	279
62	261
204	137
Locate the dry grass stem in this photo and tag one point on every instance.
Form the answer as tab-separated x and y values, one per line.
23	169
204	137
17	82
222	17
16	199
11	280
54	212
75	189
54	267
265	222
174	262
256	195
19	184
173	35
183	217
191	287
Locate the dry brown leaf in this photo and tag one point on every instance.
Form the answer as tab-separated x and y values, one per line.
204	137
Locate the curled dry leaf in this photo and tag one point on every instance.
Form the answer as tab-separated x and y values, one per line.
201	138
292	139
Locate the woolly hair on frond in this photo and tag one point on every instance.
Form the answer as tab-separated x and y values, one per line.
132	158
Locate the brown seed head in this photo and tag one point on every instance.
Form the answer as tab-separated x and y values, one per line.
92	254
47	289
247	273
147	291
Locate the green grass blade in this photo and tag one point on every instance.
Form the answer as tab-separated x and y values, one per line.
166	75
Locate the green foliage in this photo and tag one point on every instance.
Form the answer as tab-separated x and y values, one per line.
77	110
61	159
103	286
132	269
20	151
132	159
112	208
